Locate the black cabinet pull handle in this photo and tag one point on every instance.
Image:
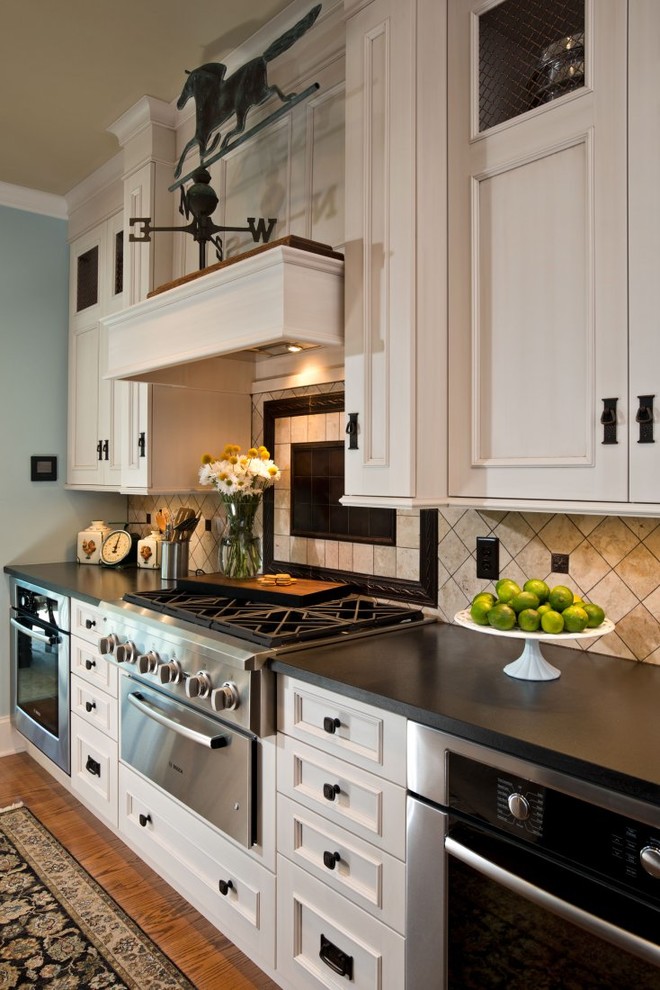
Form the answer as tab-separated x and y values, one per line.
144	820
334	957
90	623
93	767
142	444
331	724
89	664
330	791
90	705
106	450
224	886
330	859
99	450
608	421
352	431
645	418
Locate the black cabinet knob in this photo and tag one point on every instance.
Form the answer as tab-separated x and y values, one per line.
330	791
144	820
224	886
330	859
331	724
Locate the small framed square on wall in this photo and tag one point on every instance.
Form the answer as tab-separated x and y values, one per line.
43	467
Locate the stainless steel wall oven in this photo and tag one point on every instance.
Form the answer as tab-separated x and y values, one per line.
39	622
521	877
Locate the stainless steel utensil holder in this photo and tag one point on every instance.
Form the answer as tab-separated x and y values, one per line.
174	559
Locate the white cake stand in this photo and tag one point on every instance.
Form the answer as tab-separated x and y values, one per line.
531	665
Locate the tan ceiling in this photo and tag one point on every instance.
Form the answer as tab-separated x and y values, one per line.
70	68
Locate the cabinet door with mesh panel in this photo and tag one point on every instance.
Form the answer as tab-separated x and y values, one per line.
538	249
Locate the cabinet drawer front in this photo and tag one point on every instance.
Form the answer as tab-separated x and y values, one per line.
86	621
364	735
235	893
87	663
318	929
367	805
366	875
94	706
94	769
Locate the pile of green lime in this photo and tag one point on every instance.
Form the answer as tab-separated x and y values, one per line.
534	607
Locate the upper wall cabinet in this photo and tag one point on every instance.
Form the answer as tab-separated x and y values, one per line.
395	269
552	393
96	290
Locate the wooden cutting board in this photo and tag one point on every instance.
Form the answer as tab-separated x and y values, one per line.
303	592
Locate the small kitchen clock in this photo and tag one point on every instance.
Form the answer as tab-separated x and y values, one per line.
119	547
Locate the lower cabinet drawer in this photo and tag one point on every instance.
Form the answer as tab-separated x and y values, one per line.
325	941
88	663
365	804
229	888
366	875
94	706
94	760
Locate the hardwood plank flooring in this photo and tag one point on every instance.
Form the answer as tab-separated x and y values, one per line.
207	958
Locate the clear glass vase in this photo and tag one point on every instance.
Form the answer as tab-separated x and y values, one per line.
239	552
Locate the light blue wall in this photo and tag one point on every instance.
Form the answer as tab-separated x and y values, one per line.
38	521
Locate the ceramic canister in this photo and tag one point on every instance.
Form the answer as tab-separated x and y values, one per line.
88	546
148	551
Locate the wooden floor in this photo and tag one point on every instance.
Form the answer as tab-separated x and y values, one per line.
207	958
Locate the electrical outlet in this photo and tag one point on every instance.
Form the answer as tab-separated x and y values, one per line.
559	563
488	557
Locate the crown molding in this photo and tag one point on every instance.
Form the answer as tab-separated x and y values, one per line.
148	110
33	201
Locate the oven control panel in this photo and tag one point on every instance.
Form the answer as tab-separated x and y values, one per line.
505	801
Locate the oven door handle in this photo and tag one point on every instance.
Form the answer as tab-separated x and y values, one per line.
144	706
544	899
51	639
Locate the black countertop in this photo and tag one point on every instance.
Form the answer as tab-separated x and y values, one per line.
599	721
88	582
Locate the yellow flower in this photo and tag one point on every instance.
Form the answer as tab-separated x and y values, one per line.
273	470
207	459
253	452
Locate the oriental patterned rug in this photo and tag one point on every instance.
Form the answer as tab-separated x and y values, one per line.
58	927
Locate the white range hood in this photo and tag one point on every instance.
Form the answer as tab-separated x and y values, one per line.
276	295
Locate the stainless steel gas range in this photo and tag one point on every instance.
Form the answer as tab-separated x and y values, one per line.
198	695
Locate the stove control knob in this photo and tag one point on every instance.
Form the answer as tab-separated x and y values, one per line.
649	857
518	806
147	662
126	652
107	643
170	673
198	685
225	698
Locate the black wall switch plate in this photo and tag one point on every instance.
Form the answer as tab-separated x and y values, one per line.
488	557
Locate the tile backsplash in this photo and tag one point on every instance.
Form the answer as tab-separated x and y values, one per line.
612	561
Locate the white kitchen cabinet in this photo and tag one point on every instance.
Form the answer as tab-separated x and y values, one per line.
94	716
94	420
551	206
341	840
225	884
395	267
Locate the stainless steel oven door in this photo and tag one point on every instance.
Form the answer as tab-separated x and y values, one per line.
40	686
505	916
207	765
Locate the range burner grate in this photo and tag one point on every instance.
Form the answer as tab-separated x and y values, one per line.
275	624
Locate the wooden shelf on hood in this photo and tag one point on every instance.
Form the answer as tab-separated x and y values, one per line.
292	240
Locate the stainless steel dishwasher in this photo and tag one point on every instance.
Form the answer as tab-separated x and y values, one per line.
520	877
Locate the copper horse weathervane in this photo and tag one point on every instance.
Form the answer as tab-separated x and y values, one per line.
218	98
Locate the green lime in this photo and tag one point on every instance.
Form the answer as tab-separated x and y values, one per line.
502	617
595	615
545	607
529	620
507	589
524	599
552	622
538	588
575	618
560	597
479	612
485	596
